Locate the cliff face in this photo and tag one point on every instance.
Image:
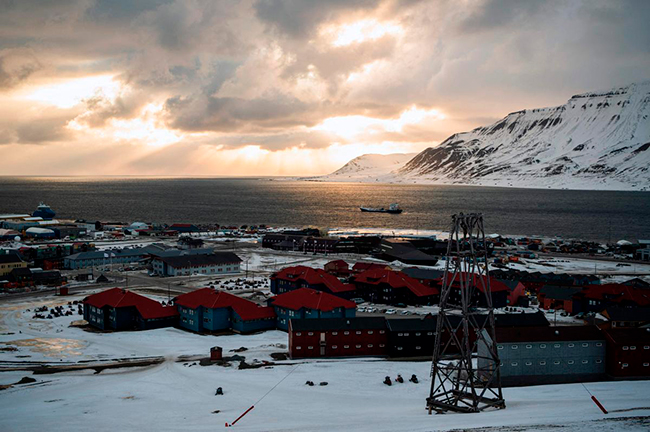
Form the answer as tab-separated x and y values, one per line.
596	140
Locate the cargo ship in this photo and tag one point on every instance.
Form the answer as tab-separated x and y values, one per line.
393	209
44	211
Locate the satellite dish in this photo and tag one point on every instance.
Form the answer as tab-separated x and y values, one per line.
17	238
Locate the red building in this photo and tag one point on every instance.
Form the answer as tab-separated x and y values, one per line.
292	278
628	353
361	267
338	337
393	287
338	268
557	297
595	298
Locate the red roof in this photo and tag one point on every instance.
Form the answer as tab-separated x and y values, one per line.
181	225
313	276
339	264
616	293
311	299
212	299
118	297
396	280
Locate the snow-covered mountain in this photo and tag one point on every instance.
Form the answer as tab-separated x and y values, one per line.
598	140
369	166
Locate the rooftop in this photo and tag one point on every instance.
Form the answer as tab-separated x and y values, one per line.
118	297
213	299
311	299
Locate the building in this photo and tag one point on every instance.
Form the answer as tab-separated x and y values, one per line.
210	310
10	261
393	287
119	309
24	277
620	317
360	267
184	228
292	278
207	264
628	353
498	290
338	268
108	257
557	297
547	355
358	245
411	338
306	303
404	252
338	337
428	277
596	298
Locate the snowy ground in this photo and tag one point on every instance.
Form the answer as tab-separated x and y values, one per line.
179	395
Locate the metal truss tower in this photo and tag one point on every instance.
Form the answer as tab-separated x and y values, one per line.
465	375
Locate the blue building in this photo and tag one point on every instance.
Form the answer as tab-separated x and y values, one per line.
308	303
107	257
119	309
209	310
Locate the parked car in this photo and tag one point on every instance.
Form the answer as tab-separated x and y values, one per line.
391	311
361	309
358	300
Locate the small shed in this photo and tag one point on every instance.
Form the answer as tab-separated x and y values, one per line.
216	353
64	291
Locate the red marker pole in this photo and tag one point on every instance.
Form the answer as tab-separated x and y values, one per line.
245	412
602	408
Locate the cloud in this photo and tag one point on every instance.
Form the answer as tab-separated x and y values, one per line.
15	67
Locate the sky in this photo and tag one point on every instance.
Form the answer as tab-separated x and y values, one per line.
288	87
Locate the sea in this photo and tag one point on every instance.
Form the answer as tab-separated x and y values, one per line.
591	215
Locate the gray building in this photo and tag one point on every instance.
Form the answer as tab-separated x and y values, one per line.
109	256
548	355
206	264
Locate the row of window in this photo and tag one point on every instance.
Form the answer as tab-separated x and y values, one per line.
416	334
344	346
633	347
555	362
557	345
345	333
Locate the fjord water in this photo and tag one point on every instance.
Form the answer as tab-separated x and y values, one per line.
595	215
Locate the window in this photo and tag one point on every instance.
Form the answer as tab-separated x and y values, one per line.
381	331
335	333
346	333
346	346
571	345
399	348
632	347
646	347
542	346
599	344
369	345
529	363
400	334
429	333
499	346
515	364
358	332
418	334
585	345
529	346
381	345
646	364
298	348
625	365
542	363
358	346
514	346
334	347
599	361
406	334
310	334
570	362
370	332
558	345
585	361
626	348
310	347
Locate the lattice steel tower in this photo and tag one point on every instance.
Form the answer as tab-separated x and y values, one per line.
465	374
